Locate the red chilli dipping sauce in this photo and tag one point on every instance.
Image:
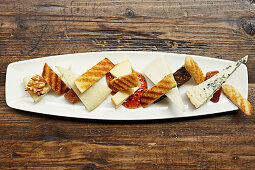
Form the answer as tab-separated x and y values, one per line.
216	95
133	101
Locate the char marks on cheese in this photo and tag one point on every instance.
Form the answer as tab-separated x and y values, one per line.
54	80
93	75
125	82
162	87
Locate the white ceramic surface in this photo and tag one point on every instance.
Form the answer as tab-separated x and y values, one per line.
53	104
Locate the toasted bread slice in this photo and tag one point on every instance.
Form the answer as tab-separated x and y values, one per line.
194	70
91	98
236	97
54	80
162	87
71	96
125	82
91	76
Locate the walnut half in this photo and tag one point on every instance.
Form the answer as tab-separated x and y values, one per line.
36	85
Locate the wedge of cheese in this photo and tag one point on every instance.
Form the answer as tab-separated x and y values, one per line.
121	96
33	95
68	67
121	69
92	97
156	71
203	92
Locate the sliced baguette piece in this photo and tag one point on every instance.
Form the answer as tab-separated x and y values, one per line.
125	82
162	87
155	71
194	70
33	95
94	74
92	97
55	82
236	97
121	69
121	96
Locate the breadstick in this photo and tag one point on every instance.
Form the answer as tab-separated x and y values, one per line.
236	97
194	70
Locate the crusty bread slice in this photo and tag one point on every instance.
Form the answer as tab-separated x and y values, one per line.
94	74
125	82
162	87
54	80
194	70
236	97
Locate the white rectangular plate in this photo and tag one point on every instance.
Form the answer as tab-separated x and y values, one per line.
53	104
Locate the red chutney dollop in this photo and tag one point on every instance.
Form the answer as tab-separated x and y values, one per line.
216	95
133	101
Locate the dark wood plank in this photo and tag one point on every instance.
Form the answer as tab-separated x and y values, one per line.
31	29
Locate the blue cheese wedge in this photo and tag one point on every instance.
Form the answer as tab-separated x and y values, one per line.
92	97
203	92
156	71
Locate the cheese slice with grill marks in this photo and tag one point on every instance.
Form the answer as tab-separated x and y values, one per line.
122	69
203	92
156	71
92	97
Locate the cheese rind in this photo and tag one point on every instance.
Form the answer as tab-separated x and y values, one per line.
121	96
121	69
156	71
203	92
92	97
33	95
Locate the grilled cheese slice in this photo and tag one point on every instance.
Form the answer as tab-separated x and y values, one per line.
55	82
155	71
92	97
87	79
125	82
162	87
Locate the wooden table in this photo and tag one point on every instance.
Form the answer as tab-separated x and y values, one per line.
220	29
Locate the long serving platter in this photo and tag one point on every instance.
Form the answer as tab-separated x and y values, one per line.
53	104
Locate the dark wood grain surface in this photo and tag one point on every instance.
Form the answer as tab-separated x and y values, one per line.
33	28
